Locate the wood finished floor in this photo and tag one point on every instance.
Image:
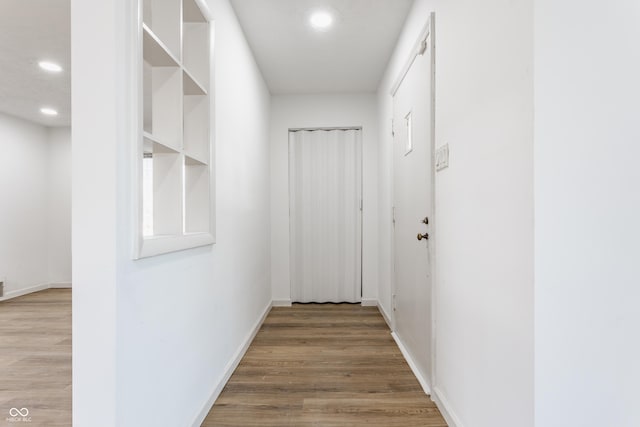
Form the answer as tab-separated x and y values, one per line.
35	358
324	365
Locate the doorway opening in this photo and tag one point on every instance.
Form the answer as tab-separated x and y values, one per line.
325	208
413	191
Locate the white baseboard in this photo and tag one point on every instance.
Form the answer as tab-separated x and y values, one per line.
385	315
24	291
369	302
61	285
421	379
445	408
231	366
281	303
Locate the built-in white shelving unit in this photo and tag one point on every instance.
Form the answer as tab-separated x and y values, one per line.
175	208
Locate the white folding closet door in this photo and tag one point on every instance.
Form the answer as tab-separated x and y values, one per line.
325	175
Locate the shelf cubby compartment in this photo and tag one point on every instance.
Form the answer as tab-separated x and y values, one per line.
196	196
176	132
196	127
162	93
196	37
162	18
162	182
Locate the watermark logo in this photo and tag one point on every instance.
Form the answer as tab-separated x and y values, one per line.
18	415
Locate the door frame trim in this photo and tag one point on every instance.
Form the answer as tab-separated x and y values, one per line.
427	35
418	49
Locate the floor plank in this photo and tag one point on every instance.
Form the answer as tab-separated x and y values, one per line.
35	357
324	365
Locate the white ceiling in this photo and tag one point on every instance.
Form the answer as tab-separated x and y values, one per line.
350	57
294	58
30	31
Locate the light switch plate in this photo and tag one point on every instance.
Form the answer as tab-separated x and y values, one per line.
442	157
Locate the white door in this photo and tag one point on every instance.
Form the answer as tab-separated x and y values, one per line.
412	191
325	187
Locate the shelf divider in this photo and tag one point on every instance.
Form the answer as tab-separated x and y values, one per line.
191	85
195	160
152	144
155	52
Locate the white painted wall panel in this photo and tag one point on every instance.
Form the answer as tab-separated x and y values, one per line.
23	200
587	151
96	142
152	337
484	206
59	205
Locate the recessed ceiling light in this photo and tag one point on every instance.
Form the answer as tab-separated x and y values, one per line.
321	20
52	67
48	111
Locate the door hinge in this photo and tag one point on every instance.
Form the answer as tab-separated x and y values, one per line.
393	302
393	215
393	132
361	205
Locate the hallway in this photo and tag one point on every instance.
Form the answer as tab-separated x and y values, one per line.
187	106
329	365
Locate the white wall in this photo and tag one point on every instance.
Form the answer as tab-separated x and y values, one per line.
308	111
59	206
152	337
23	197
484	206
96	142
35	217
587	149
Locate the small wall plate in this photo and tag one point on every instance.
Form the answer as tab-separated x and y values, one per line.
442	157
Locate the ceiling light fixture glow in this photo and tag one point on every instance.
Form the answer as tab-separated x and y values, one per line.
48	111
321	20
52	67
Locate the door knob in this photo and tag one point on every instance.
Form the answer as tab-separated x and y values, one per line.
423	236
